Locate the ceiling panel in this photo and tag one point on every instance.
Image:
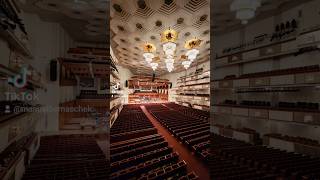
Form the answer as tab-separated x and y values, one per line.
85	20
135	22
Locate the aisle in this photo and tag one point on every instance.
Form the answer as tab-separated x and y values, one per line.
194	164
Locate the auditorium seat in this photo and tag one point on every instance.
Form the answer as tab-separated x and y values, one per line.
142	156
188	125
68	157
272	163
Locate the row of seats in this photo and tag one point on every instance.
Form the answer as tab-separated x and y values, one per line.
145	156
68	157
300	105
189	111
295	139
254	135
274	163
304	69
192	131
131	118
294	105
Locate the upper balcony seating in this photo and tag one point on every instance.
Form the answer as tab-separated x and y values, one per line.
281	104
305	69
301	140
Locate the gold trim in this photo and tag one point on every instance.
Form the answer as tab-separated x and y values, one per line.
148	47
169	35
192	43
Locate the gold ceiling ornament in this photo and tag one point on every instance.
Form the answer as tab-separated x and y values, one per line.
192	43
169	35
148	47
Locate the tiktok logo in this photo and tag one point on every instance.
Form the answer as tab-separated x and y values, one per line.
19	80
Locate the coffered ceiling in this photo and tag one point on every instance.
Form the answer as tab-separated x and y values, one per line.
85	20
135	22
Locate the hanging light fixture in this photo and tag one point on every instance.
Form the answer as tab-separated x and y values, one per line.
169	48
154	65
148	49
185	62
148	57
169	37
192	54
192	44
245	9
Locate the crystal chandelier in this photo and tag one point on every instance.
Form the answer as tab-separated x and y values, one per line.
168	37
245	9
185	62
169	46
148	49
192	53
154	65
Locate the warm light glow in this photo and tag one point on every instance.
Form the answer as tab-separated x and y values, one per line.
148	55
169	48
170	65
169	35
186	64
169	60
154	65
192	54
149	60
148	47
192	43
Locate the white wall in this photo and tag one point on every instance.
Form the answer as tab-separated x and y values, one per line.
124	74
172	77
310	18
47	41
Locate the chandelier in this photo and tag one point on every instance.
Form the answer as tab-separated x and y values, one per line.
154	65
169	46
169	37
148	52
192	52
245	9
186	63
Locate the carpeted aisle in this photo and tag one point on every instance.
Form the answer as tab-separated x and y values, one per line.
194	164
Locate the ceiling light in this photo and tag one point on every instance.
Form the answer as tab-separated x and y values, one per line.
148	55
170	65
245	9
192	54
154	65
169	48
169	60
169	35
149	60
186	64
148	49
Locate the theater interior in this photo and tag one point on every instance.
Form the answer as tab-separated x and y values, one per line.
52	53
159	89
